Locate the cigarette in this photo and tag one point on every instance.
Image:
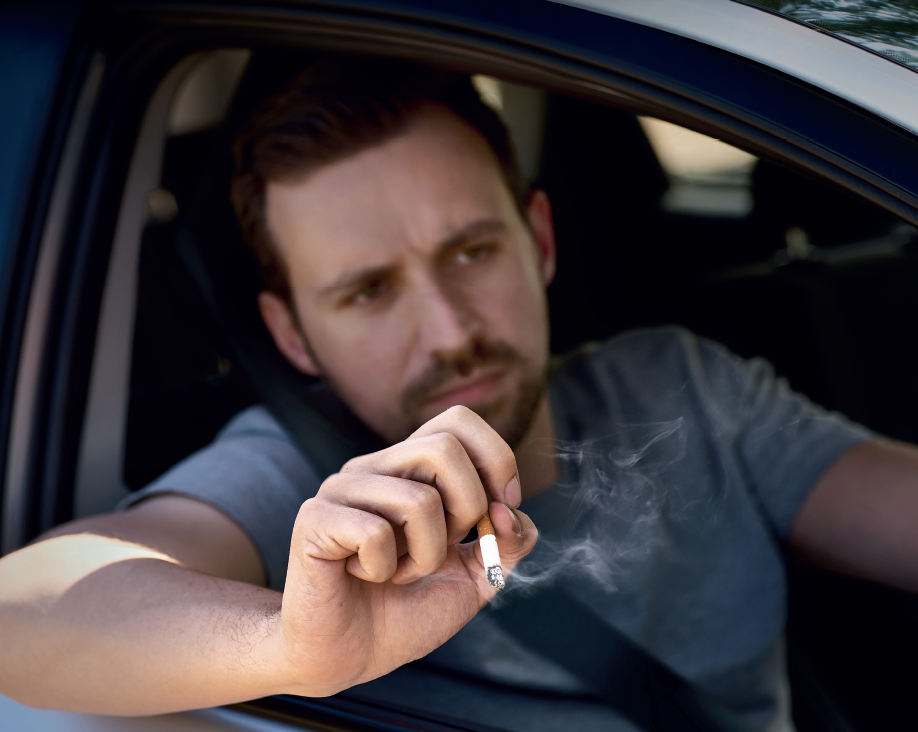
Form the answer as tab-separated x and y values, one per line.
489	554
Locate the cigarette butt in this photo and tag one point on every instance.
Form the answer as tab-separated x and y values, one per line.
489	553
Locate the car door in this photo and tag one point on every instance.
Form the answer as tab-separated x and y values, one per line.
85	185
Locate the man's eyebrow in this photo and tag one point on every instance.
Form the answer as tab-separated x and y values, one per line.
472	231
356	275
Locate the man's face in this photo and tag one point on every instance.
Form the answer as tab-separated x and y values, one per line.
416	281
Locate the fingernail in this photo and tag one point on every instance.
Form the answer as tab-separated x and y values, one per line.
515	522
512	493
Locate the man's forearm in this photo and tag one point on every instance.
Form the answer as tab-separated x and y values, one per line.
98	625
861	516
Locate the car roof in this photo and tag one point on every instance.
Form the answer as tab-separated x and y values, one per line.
840	63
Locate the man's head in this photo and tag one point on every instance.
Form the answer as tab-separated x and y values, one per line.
404	258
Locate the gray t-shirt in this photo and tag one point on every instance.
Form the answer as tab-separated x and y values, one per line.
683	468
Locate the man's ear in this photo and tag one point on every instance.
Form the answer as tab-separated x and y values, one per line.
286	334
538	211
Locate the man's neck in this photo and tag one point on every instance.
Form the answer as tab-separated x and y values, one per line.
536	456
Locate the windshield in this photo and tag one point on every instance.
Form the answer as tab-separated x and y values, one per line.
888	27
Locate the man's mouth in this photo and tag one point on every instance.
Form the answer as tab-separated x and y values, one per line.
474	389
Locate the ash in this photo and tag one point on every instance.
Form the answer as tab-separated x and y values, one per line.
496	577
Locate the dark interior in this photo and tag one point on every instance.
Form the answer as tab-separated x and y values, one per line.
835	323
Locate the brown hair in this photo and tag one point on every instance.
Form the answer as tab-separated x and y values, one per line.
335	109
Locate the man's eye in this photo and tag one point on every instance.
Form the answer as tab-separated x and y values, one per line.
370	292
475	253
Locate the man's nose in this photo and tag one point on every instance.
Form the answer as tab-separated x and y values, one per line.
447	325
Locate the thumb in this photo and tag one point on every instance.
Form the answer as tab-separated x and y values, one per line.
516	534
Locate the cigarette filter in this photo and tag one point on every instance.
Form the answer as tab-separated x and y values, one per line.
489	554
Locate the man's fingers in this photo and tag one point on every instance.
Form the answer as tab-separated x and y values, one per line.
516	534
491	456
439	460
327	532
412	509
429	490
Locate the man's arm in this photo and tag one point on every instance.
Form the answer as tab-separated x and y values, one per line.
137	612
152	610
862	516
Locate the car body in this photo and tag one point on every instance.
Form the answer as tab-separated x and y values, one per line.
99	95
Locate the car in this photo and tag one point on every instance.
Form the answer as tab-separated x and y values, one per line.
743	169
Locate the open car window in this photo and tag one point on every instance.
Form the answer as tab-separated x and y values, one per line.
657	224
672	216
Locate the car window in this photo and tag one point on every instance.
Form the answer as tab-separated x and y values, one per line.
656	223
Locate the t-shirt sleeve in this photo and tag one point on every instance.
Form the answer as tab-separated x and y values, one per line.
785	442
254	474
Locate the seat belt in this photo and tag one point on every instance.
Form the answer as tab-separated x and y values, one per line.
617	670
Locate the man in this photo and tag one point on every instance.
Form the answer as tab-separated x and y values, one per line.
405	264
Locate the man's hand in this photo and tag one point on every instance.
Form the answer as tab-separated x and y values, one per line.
377	577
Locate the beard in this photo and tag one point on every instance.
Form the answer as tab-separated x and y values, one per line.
519	413
510	416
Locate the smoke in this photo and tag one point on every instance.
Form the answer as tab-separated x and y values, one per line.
612	510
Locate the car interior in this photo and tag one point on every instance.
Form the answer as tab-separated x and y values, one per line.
753	253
